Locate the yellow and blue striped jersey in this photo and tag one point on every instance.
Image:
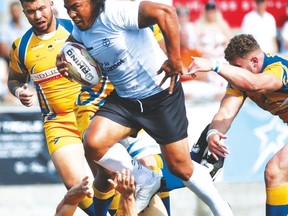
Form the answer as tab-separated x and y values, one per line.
36	55
275	102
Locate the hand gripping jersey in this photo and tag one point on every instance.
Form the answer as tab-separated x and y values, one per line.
274	102
36	56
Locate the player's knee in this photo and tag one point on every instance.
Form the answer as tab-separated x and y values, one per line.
92	144
275	171
182	171
90	140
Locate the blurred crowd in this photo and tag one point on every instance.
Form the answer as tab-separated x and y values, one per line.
205	37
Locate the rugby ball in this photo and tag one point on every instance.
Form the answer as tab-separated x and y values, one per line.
81	65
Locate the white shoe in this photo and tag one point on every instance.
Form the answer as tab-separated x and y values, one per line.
144	193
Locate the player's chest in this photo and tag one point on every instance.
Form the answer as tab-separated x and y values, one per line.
42	55
108	48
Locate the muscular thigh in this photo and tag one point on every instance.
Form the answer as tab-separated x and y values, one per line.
61	131
69	163
177	158
102	134
65	147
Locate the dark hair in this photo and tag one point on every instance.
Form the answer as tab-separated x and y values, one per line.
98	7
259	1
240	46
22	1
210	6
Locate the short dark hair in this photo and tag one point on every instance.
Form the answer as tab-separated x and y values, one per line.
98	7
22	1
210	5
259	1
240	46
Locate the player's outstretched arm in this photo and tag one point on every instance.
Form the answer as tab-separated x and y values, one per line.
69	203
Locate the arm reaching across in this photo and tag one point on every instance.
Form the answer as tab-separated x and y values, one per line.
69	203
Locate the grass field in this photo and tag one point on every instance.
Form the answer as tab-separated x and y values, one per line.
41	200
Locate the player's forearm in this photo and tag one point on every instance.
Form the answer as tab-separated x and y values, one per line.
221	125
65	209
221	121
169	26
74	195
240	77
248	81
15	81
14	86
128	205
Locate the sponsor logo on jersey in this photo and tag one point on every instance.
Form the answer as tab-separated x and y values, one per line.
56	140
44	76
106	42
114	66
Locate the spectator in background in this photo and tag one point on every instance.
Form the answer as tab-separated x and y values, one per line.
8	33
284	37
213	34
187	38
262	25
186	25
3	80
190	84
13	29
5	96
186	51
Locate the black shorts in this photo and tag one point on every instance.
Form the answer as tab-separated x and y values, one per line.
162	116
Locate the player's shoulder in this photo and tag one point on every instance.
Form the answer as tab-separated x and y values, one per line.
22	39
66	23
118	8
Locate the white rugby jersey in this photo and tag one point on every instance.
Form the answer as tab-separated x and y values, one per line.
130	56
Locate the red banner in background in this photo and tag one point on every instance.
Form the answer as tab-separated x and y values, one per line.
234	10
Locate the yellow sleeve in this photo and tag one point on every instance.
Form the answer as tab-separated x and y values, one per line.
157	32
14	57
235	91
278	70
